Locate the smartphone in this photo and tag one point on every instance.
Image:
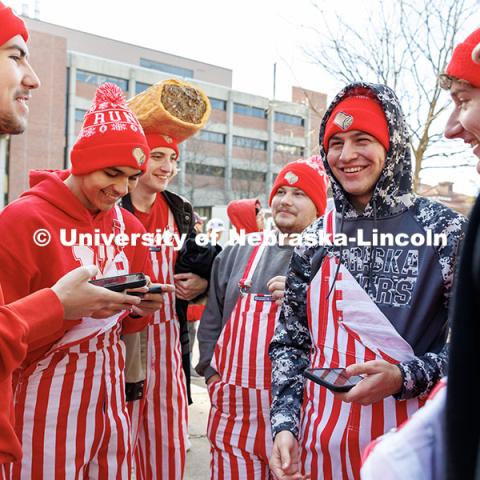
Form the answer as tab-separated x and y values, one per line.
121	282
156	289
332	378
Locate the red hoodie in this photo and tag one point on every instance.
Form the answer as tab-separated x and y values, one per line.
242	214
28	268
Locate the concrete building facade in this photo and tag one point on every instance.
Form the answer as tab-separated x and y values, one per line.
247	140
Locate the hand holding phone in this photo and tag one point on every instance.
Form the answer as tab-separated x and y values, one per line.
153	302
332	378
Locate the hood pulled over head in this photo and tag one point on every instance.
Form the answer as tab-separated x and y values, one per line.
243	214
393	191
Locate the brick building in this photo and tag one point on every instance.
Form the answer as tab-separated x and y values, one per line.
245	143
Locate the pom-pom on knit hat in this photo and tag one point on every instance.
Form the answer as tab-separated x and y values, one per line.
111	135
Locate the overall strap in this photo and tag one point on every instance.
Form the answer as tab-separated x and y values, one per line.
255	256
118	226
329	222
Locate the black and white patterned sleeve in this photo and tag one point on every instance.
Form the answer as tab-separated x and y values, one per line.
422	373
443	221
290	346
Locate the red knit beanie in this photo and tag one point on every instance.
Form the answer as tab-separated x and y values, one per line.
156	140
307	175
111	135
358	113
11	25
461	65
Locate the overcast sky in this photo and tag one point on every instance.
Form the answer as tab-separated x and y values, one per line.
247	36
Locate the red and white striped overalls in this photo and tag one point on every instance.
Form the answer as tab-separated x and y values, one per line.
70	408
239	424
346	328
160	419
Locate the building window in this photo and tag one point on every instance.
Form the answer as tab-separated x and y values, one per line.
213	137
250	175
141	87
79	114
290	119
97	79
199	169
218	104
250	111
246	142
289	149
164	67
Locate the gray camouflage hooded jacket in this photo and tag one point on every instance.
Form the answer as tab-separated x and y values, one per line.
411	284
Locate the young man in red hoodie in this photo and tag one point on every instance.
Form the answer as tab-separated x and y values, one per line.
27	319
69	402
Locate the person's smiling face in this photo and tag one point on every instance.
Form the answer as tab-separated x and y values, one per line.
17	79
161	168
100	190
292	210
464	121
356	160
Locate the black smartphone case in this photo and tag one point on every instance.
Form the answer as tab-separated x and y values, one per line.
323	383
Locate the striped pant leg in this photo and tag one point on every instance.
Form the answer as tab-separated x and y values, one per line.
64	416
135	413
334	435
239	432
236	464
5	471
56	411
326	451
113	458
162	437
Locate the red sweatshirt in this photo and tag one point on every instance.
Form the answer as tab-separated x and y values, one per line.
29	326
157	219
26	267
242	214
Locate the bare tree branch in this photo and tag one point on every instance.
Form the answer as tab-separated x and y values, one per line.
449	166
407	44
